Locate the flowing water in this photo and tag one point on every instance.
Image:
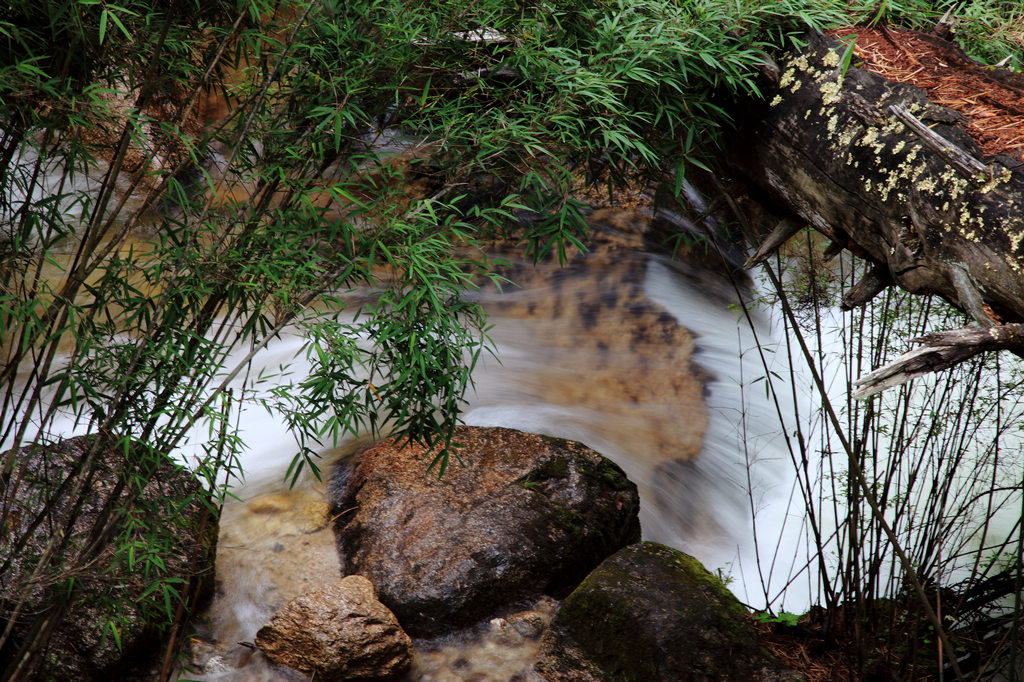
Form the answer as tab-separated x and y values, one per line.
643	357
639	356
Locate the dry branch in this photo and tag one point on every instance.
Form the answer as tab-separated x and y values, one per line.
941	350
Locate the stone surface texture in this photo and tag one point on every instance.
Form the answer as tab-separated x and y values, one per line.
653	613
339	632
515	516
169	516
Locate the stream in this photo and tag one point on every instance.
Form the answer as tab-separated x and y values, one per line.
643	357
637	355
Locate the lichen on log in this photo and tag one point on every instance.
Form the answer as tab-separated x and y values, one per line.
875	165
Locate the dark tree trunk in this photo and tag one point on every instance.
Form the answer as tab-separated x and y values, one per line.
881	170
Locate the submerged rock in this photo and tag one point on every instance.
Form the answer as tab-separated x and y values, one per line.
339	632
521	515
115	612
499	649
651	612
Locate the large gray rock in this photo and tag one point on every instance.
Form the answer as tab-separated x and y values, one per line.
339	632
526	515
653	613
106	593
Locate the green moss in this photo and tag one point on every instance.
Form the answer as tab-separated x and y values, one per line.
605	470
696	572
569	520
555	468
603	612
560	443
651	612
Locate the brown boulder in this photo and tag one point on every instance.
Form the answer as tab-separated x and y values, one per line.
520	516
339	632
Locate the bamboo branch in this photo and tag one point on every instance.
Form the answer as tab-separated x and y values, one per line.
953	155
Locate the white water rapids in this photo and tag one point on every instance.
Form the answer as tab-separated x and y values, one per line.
703	507
734	507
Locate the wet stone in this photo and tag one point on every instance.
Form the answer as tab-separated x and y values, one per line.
523	515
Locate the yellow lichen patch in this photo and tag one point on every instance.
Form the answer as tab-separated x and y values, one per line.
957	185
831	58
891	180
892	126
905	170
965	221
847	137
830	93
995	179
776	101
832	123
965	216
821	76
869	138
787	77
968	223
1015	240
911	157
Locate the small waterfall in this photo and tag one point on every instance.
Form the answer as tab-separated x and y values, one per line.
655	377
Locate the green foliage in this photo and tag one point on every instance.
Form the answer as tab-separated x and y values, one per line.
372	146
371	150
783	618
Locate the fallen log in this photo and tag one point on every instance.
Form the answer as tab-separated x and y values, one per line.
879	168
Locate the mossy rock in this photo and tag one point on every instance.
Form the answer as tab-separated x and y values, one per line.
517	515
109	593
651	612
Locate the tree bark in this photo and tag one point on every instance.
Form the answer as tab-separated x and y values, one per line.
883	171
